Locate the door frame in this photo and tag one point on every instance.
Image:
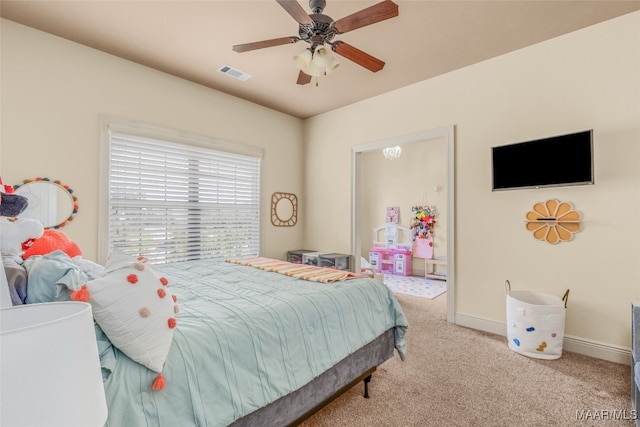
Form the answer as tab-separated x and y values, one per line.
446	132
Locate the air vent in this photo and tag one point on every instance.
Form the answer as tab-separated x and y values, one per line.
235	73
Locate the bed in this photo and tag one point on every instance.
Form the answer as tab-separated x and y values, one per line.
254	347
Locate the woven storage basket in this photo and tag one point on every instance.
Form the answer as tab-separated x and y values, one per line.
535	323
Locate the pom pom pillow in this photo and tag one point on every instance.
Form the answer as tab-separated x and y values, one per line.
134	309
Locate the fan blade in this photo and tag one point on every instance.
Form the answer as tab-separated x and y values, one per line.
359	57
296	11
264	43
303	78
376	13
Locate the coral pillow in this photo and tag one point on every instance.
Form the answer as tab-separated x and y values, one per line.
52	240
134	309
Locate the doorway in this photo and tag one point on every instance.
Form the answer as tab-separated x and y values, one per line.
446	134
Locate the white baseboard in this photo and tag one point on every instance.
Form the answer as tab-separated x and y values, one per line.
595	349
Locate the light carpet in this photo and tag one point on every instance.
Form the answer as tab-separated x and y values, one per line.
415	286
454	376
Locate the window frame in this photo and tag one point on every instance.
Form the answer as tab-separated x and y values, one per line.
109	125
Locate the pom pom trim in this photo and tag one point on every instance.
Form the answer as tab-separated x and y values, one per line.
171	323
81	294
159	383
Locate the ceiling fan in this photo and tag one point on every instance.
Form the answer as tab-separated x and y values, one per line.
319	30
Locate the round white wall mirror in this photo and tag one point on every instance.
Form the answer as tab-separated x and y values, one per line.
50	202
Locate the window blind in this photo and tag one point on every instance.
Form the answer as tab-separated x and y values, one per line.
172	201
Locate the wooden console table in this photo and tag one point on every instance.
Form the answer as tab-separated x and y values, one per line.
430	265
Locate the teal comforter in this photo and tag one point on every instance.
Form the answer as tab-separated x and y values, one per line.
244	338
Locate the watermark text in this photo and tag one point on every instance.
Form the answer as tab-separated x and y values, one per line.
606	414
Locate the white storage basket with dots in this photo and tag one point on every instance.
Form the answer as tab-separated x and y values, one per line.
535	323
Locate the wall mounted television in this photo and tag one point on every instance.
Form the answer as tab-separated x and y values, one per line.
549	162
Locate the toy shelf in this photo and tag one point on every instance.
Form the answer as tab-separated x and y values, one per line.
430	265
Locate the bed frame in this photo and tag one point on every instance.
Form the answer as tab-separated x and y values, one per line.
294	408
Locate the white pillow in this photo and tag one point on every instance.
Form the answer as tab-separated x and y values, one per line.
134	309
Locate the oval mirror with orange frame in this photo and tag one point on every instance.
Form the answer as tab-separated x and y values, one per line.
50	202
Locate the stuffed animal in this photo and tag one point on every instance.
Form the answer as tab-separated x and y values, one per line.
53	240
18	234
11	204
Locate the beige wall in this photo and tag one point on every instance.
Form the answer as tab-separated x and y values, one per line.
585	80
54	92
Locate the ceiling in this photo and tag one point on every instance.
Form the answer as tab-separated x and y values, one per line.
193	39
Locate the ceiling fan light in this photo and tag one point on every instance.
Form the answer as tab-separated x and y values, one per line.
313	70
316	62
322	56
333	64
303	59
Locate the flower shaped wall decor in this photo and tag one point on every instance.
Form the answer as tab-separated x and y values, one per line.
553	221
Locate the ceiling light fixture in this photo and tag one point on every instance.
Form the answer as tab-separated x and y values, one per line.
315	61
392	153
319	30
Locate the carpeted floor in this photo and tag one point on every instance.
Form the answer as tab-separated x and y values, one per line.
415	286
456	376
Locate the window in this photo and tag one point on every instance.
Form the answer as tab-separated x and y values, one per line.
175	201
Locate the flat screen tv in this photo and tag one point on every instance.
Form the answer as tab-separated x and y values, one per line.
548	162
